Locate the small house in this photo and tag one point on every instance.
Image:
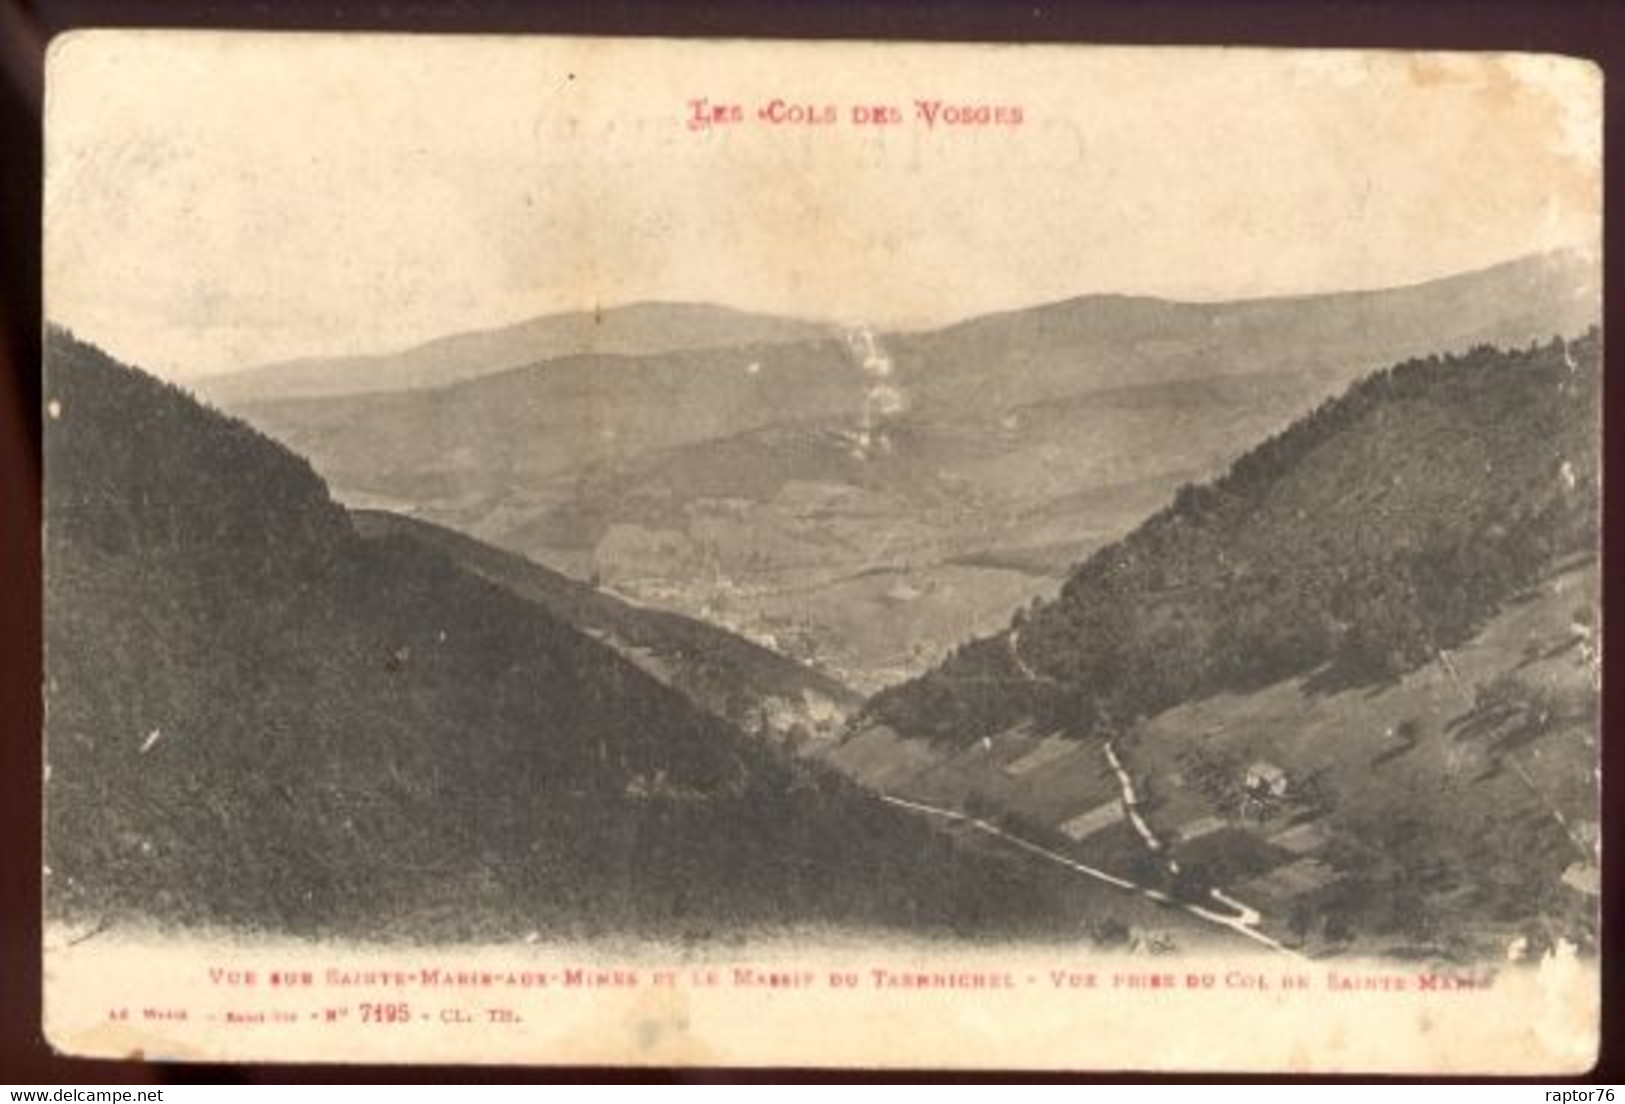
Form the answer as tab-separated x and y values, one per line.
1265	781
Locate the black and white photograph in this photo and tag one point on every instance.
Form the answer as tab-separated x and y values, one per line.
653	551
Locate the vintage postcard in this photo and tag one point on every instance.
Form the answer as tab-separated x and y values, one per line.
569	550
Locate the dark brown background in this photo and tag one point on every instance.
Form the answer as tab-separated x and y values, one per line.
1593	28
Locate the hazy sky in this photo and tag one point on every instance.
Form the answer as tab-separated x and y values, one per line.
217	201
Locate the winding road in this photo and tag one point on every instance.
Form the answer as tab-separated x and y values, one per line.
1241	920
1013	642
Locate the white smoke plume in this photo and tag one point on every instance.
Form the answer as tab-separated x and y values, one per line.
883	400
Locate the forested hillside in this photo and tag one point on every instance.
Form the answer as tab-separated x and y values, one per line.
257	719
760	691
1378	530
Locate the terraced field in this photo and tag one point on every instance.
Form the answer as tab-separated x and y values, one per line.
1484	807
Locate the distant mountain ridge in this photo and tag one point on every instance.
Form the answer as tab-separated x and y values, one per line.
1080	344
1504	296
868	500
636	329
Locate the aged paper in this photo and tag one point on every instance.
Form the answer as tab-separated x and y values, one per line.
821	554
